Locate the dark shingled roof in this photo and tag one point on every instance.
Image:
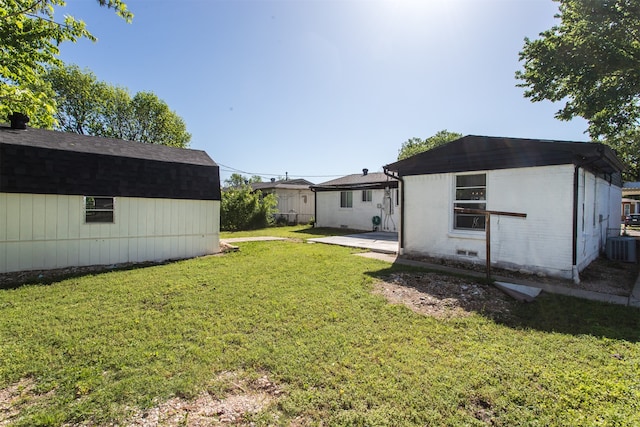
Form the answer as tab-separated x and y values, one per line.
473	153
373	180
43	161
68	141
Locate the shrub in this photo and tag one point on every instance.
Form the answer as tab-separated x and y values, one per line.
242	209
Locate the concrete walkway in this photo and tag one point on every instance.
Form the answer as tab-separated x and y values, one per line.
633	300
251	239
377	241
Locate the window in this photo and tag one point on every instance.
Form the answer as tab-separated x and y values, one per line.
98	209
346	199
471	193
367	195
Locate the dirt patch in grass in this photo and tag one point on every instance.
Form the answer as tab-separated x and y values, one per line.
241	399
236	401
15	397
444	296
602	275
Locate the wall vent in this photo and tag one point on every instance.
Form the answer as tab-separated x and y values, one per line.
621	249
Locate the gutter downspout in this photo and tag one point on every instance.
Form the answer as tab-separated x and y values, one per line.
574	260
401	237
315	207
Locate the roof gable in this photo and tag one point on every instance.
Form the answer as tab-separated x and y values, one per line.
358	181
473	153
288	184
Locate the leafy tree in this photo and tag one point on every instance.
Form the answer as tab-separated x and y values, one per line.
415	145
78	97
243	209
88	106
238	180
153	122
591	61
30	39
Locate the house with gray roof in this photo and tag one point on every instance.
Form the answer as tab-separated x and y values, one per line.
75	200
296	204
366	201
630	198
547	207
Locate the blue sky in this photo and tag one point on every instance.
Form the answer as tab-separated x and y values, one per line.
321	89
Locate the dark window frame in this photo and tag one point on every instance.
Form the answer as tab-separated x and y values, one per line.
346	199
99	210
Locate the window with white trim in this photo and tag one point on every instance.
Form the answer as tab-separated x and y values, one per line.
98	209
470	193
367	195
346	199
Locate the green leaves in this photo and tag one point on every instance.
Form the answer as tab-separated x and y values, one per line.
30	38
591	62
86	105
414	145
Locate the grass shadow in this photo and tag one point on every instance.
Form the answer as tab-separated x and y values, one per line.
575	316
547	313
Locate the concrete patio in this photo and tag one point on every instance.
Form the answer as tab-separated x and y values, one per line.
377	241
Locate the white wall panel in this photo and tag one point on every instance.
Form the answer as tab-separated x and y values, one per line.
49	231
358	217
541	242
12	209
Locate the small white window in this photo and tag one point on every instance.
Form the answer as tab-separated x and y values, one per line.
471	193
346	199
367	195
98	209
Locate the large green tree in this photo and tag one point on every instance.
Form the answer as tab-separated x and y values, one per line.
590	61
88	106
30	38
413	146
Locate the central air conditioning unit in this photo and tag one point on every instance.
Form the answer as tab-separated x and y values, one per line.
621	249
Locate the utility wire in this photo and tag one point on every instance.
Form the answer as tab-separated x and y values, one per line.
232	169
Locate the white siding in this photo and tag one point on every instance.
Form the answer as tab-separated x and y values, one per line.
358	217
300	202
598	216
541	242
48	231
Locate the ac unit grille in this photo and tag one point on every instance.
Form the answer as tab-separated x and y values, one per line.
621	249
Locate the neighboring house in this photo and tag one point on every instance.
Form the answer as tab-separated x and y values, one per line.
296	204
367	201
569	191
631	199
74	200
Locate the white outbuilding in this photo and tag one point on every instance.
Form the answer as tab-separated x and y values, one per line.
552	205
74	200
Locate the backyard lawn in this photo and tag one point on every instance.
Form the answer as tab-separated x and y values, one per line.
289	333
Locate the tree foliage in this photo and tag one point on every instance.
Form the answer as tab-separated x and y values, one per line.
243	209
88	106
591	62
414	145
30	38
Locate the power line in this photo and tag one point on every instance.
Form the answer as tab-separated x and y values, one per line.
232	169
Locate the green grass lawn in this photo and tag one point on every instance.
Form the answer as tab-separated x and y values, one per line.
97	348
